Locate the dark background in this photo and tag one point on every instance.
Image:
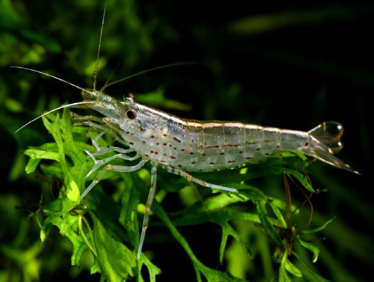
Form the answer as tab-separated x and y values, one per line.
289	65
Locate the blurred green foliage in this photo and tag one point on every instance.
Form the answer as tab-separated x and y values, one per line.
289	65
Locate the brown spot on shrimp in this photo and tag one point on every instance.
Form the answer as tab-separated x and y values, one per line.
178	140
212	147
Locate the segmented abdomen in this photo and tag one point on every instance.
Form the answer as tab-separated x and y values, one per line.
209	146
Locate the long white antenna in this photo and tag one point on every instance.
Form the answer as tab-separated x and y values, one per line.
59	108
98	50
55	77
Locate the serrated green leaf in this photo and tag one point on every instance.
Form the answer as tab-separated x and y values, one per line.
43	233
218	217
314	249
210	274
283	275
95	268
68	205
278	214
213	203
222	200
307	278
129	201
73	192
52	170
225	235
261	210
55	206
316	276
67	223
302	178
77	156
226	231
213	275
46	121
317	229
291	268
278	255
41	154
46	227
116	261
64	222
32	164
252	193
152	269
79	246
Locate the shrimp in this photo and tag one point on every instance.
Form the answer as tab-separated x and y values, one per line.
181	145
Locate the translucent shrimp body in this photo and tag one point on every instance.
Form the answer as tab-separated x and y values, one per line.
204	146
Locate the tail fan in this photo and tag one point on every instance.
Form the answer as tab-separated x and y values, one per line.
325	141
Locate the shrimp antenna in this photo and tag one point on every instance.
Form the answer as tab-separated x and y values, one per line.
55	77
59	108
148	70
98	50
63	106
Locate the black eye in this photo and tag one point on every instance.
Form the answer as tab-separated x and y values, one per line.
131	114
128	95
